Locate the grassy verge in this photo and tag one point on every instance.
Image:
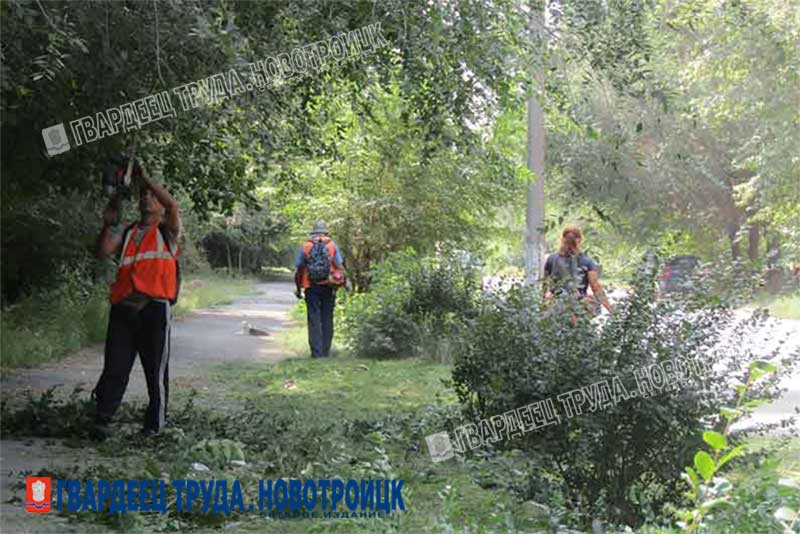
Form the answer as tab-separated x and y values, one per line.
385	408
784	306
53	323
202	290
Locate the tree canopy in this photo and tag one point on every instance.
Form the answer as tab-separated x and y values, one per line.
663	119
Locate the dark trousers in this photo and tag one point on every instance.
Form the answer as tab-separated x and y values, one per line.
320	301
145	332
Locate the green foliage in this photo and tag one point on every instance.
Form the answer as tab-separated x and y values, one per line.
341	420
385	179
41	238
67	60
416	306
53	321
520	352
217	453
248	441
712	491
247	240
678	123
50	416
330	425
761	482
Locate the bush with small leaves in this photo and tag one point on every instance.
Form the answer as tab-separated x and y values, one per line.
415	306
618	460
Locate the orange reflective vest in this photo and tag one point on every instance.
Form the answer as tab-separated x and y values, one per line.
306	281
150	268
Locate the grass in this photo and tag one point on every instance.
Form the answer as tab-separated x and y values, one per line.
49	324
52	323
393	396
344	387
784	306
202	290
341	417
451	496
355	418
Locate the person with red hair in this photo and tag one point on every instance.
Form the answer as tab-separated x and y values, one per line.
569	273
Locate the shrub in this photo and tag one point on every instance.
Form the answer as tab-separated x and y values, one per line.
620	463
415	306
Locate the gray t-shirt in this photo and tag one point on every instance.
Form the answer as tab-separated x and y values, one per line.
559	267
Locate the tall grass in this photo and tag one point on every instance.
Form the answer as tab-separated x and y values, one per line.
51	322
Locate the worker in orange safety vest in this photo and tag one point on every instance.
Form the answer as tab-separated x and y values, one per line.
146	286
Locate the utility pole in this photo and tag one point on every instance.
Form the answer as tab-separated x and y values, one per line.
534	212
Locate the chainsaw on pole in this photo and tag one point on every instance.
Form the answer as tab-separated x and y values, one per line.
118	177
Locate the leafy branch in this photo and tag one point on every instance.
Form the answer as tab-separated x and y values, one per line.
713	491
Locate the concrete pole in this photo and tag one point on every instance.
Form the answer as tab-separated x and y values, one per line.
534	212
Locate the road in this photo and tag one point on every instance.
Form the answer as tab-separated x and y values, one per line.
206	337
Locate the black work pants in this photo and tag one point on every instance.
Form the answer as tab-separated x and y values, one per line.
147	333
320	301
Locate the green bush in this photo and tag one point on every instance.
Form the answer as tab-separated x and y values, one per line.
620	463
415	306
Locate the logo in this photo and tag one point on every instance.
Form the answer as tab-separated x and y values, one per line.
439	447
55	139
37	494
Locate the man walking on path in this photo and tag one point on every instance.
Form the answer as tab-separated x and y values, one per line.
319	270
145	288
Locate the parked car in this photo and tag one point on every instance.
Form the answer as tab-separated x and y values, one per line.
677	273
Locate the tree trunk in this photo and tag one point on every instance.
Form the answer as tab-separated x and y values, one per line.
241	251
733	230
775	273
753	241
230	261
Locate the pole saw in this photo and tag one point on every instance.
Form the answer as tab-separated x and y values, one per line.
118	176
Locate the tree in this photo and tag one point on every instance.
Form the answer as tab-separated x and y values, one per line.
385	182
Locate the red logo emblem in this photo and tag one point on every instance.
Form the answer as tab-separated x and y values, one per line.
37	494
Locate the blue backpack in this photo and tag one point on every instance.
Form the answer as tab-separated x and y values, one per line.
318	262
